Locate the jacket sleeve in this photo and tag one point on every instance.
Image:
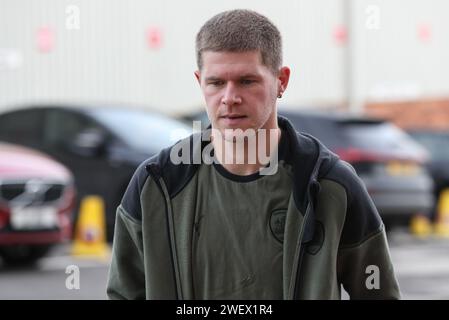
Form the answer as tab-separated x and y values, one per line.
365	270
364	265
126	278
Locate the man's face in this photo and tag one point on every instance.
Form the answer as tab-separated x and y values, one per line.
240	92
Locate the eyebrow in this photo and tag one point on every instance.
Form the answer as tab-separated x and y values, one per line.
213	79
249	75
245	76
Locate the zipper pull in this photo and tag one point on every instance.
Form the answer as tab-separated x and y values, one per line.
154	170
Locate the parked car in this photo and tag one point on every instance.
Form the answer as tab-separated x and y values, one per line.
437	143
37	200
390	163
101	145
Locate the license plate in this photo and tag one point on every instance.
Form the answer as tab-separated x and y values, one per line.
33	218
402	169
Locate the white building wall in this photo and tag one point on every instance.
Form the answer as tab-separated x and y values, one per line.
397	61
108	60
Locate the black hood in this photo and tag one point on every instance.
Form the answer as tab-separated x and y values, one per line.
310	160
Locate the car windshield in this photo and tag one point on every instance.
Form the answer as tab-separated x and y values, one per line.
436	143
145	131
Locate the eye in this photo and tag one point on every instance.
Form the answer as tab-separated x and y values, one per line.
216	83
247	81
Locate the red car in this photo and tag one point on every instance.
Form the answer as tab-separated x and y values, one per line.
37	199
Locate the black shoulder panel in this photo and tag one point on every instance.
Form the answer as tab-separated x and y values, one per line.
131	198
177	176
362	218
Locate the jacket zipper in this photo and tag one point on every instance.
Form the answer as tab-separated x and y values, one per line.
300	256
170	228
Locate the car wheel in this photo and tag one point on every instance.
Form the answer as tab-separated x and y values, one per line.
23	255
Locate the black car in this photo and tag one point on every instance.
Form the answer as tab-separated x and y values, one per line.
390	163
102	146
437	143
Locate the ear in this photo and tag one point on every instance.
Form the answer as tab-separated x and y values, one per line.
284	77
198	76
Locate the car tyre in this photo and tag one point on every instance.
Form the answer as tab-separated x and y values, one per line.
23	255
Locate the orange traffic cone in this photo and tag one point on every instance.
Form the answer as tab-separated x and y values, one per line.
442	223
90	237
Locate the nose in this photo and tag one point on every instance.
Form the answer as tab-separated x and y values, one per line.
231	96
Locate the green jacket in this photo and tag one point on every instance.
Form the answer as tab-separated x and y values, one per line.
333	233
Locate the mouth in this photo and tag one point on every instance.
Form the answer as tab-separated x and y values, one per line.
233	116
233	119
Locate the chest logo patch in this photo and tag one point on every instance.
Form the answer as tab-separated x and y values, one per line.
277	223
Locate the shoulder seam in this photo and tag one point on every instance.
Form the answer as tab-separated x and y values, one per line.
361	242
128	216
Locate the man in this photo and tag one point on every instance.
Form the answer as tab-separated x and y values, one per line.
230	230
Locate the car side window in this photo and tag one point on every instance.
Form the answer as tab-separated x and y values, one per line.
23	127
63	127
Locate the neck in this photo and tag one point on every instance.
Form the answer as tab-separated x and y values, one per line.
247	155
